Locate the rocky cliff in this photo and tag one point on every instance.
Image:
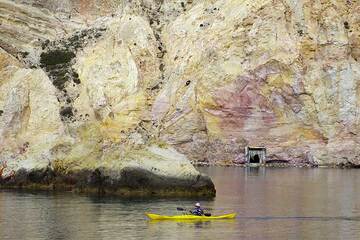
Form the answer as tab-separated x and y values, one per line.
99	84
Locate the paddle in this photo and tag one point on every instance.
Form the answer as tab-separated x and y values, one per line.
184	209
181	209
205	214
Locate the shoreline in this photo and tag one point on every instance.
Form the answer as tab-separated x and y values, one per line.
279	165
85	182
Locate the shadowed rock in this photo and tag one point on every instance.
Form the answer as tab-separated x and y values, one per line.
154	172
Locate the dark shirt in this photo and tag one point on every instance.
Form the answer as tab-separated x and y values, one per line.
197	211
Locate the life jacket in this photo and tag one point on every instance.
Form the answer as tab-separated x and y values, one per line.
197	211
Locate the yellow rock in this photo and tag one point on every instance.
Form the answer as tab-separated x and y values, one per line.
209	81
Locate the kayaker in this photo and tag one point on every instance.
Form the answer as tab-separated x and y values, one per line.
197	210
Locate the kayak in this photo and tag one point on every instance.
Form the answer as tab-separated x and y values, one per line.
189	217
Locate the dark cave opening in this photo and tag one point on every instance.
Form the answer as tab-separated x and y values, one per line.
255	159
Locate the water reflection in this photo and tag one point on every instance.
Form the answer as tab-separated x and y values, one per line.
254	171
271	204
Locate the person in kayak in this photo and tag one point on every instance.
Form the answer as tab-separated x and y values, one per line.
197	210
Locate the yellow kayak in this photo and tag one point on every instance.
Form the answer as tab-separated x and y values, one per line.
189	217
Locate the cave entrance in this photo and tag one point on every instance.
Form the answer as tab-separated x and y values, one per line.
255	159
255	155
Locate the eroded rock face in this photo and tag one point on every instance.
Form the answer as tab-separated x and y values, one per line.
30	124
277	74
76	108
85	86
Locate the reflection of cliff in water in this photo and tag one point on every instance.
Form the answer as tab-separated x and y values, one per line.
255	171
286	203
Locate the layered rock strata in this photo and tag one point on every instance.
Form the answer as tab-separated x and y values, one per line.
84	86
75	105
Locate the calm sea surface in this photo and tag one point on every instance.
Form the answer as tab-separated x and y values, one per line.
285	203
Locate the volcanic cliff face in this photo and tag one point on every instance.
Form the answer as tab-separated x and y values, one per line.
98	84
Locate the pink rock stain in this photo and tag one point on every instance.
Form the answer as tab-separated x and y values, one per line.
242	105
84	7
